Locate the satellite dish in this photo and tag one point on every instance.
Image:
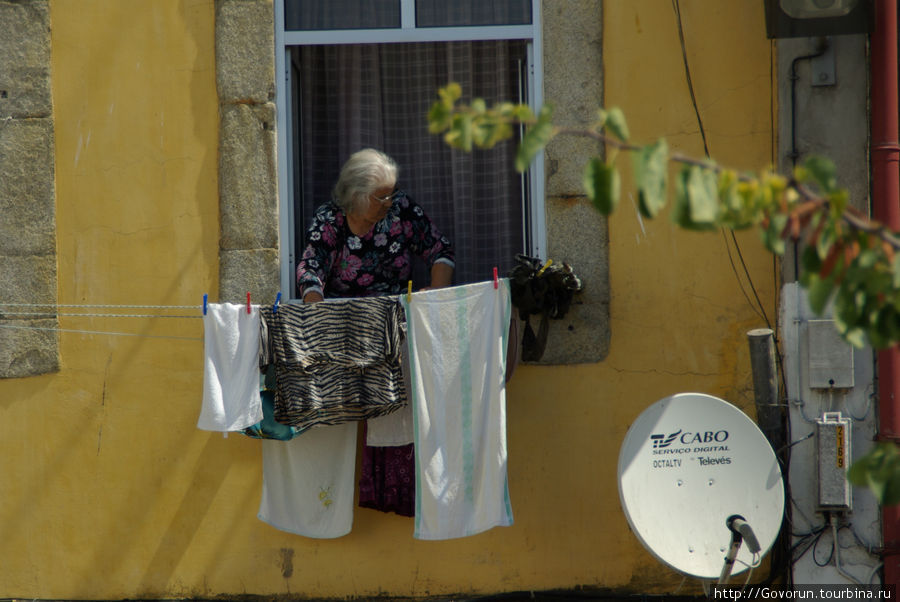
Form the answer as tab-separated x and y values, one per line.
688	464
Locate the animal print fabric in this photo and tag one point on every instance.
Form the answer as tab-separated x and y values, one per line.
335	361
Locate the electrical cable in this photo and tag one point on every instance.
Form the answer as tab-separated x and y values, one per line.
762	308
836	549
740	283
794	153
687	72
758	308
815	547
676	7
809	541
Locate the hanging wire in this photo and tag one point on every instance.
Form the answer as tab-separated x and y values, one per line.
100	306
8	312
758	308
10	315
120	334
687	72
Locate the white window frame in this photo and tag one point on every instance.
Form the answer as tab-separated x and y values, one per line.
407	32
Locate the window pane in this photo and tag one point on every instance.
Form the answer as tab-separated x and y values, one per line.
304	15
441	13
354	96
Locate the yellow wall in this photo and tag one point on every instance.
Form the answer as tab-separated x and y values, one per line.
108	489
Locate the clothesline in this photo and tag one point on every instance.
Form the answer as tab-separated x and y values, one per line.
121	334
91	315
84	305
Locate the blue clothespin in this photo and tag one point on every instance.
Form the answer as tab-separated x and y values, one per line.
277	301
205	297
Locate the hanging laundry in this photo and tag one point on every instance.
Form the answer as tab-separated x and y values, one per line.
335	361
457	348
395	428
387	480
269	428
308	482
231	399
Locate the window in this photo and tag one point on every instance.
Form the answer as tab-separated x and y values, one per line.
364	73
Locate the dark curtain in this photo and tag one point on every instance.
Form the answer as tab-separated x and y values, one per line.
353	96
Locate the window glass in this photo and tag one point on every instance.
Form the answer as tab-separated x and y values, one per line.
312	15
441	13
355	96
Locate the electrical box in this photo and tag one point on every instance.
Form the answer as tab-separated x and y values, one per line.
830	357
833	444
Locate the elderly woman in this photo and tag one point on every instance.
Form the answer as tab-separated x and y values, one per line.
360	243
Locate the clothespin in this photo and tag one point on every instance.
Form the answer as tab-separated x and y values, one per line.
277	301
546	265
409	291
205	297
496	282
248	302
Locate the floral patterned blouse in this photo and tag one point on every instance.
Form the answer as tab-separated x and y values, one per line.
338	263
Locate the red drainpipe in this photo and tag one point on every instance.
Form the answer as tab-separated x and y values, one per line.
885	153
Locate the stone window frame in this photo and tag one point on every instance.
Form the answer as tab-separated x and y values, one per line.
249	257
29	345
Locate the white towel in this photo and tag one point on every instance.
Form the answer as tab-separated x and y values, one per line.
309	482
457	349
230	368
396	428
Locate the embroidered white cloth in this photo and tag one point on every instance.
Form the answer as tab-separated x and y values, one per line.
309	482
230	368
457	349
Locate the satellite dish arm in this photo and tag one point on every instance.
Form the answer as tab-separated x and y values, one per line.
738	525
740	531
736	539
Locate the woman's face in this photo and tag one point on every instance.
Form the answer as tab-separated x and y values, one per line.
379	203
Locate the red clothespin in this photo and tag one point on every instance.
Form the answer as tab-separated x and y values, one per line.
205	297
496	282
248	302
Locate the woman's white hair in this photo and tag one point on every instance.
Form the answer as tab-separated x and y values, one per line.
364	172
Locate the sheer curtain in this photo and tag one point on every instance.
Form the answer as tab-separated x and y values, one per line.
353	96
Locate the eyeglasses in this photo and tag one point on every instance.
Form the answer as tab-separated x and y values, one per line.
387	200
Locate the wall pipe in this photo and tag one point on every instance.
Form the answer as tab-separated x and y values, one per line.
885	156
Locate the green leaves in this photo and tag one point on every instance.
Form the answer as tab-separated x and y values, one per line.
651	167
440	116
822	171
696	198
851	266
614	122
602	184
535	139
475	125
879	470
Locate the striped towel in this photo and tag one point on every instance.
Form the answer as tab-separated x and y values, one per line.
457	350
335	361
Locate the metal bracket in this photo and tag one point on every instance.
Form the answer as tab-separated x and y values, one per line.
823	66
